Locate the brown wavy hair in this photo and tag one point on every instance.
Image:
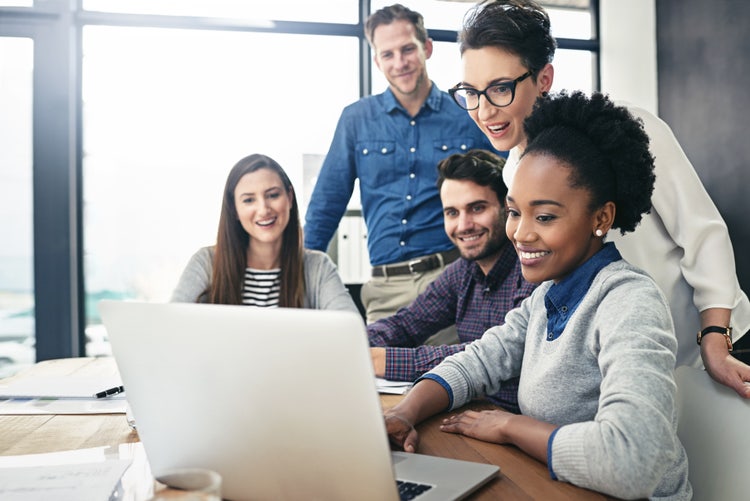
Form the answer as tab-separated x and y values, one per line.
232	243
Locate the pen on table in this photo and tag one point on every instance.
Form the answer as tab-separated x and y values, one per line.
110	392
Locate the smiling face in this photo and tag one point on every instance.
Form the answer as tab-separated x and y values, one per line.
490	65
263	207
473	219
402	58
551	223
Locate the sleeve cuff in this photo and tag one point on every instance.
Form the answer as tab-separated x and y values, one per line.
549	454
441	382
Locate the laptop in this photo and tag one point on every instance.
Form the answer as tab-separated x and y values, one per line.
280	402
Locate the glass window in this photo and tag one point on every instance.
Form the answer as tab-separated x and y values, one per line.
332	11
16	206
167	113
449	15
438	14
574	70
571	23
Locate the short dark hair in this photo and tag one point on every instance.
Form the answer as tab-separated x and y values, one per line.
478	166
605	146
521	27
395	12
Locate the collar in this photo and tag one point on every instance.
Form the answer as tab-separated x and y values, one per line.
563	297
506	260
433	101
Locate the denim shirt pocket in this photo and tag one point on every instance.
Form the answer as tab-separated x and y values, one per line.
442	148
376	163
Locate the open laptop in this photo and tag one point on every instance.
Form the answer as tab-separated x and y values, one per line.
280	402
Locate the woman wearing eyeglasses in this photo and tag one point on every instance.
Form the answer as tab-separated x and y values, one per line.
507	50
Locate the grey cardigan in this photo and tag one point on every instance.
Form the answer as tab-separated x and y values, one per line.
607	381
324	289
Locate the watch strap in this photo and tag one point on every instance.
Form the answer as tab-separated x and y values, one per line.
724	331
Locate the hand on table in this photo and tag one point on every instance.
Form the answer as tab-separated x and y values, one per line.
401	433
484	425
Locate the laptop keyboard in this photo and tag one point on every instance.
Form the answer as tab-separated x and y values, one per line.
410	490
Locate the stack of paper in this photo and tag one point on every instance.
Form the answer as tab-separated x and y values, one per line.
392	387
60	395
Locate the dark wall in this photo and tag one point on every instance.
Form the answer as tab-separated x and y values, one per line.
704	84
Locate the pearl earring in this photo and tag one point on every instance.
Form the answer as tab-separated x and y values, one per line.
598	232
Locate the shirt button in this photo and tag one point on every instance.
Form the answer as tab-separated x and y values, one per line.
384	151
412	175
365	152
403	221
549	336
412	123
463	146
402	243
564	309
445	147
408	197
412	149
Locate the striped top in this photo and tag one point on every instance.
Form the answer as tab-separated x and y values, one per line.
261	287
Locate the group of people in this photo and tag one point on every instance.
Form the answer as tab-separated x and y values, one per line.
570	278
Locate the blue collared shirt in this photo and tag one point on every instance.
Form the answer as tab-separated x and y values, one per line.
395	158
563	298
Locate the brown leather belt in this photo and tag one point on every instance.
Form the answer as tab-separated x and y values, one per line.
418	265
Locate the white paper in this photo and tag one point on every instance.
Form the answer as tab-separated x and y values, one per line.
108	405
59	387
63	476
392	387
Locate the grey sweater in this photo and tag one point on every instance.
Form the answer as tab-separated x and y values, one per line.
607	381
324	289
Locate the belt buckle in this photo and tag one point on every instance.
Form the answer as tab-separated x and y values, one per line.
413	263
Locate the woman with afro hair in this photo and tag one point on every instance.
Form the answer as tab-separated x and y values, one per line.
594	344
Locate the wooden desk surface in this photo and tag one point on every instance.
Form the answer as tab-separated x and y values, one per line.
521	477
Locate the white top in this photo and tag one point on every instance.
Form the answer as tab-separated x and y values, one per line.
683	243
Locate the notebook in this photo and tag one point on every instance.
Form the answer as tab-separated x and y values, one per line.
280	402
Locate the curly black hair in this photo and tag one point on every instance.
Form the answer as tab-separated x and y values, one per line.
481	167
605	146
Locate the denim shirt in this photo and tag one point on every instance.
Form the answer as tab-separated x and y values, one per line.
563	298
395	158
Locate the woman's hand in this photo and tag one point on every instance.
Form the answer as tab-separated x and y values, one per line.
487	425
401	433
501	427
723	367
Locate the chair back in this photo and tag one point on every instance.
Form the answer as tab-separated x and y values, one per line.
714	428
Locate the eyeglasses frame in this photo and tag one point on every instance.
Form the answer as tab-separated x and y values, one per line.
511	83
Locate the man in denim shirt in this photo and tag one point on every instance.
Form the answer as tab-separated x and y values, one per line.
392	143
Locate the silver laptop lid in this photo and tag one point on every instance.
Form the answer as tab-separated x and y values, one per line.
246	392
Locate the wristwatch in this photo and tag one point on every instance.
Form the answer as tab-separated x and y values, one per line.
724	331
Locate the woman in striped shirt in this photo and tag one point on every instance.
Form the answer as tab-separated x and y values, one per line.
259	258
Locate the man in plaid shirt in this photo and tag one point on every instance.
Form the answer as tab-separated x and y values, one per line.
474	292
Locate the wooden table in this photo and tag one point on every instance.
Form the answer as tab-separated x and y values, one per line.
521	477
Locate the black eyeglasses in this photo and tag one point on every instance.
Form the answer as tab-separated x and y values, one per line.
499	94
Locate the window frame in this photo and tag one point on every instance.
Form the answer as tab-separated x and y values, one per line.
56	28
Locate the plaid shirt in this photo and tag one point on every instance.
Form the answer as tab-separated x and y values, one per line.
461	295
